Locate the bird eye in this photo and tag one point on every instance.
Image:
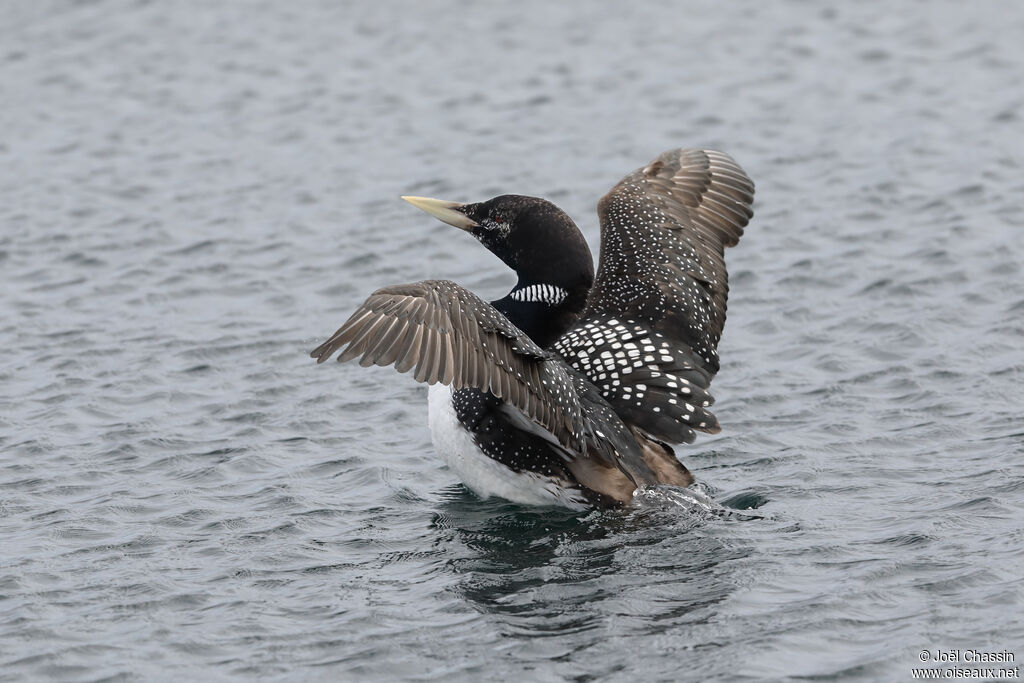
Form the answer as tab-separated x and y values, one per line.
499	220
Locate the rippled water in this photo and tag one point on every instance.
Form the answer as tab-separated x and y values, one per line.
193	194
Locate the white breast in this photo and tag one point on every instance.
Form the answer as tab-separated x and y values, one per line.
482	475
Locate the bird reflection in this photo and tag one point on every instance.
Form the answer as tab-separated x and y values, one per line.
550	571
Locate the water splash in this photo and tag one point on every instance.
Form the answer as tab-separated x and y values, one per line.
693	500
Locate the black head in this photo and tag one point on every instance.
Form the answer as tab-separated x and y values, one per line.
539	242
531	235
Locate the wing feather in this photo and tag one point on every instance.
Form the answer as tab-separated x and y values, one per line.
661	290
447	334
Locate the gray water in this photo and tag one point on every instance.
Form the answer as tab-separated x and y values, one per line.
192	195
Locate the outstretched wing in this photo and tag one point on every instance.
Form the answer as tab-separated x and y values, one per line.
649	335
450	335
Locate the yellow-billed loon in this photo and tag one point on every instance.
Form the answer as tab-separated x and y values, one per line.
570	389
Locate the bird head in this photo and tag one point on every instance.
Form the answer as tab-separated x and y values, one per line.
532	236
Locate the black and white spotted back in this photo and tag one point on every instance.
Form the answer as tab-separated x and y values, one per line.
648	337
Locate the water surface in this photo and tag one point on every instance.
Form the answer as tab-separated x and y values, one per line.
193	195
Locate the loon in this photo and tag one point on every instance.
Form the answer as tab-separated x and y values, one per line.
572	388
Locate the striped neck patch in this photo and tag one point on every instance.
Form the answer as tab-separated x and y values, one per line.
547	294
